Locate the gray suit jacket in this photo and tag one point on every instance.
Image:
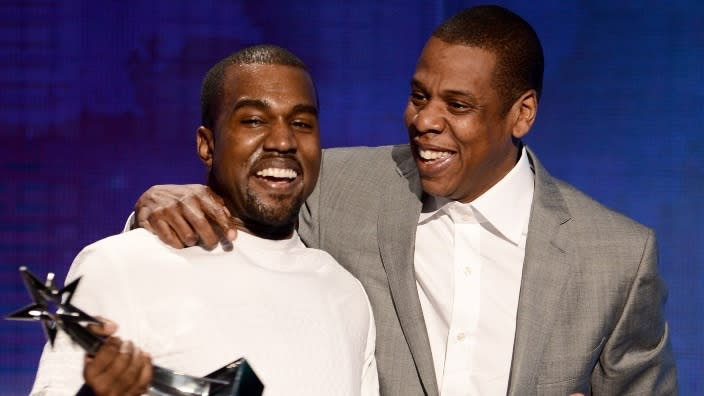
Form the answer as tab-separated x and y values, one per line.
590	315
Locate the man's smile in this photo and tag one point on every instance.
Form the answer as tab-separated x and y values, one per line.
283	174
277	173
429	155
433	160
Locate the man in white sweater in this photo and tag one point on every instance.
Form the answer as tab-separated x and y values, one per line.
301	320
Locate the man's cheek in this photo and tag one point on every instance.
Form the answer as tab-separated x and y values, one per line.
408	115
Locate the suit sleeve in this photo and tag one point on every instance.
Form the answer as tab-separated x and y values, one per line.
637	358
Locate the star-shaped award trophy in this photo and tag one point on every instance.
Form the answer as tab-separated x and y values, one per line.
53	308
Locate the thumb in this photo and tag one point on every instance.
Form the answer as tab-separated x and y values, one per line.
105	328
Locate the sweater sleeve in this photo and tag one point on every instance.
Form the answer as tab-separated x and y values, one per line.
101	291
370	376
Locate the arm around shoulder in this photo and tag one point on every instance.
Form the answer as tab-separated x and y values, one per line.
183	215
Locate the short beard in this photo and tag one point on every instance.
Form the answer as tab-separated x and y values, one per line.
279	214
272	221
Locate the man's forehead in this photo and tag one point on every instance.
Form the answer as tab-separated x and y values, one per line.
254	73
262	73
268	82
439	52
454	62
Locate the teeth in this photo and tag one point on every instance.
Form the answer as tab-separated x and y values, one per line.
278	173
433	155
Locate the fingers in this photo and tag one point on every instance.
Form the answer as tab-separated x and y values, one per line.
133	377
167	235
194	216
118	368
217	212
105	328
155	211
183	215
181	226
144	378
209	217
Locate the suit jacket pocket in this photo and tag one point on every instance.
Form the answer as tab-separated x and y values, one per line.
569	374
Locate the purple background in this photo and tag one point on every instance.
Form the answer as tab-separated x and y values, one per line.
99	100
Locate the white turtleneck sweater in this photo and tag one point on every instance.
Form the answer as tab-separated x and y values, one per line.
302	321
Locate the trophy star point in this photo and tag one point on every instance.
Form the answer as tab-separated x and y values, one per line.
45	294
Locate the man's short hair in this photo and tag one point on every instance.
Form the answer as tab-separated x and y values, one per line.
519	55
212	89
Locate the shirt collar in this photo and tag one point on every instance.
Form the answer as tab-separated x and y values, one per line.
505	206
259	243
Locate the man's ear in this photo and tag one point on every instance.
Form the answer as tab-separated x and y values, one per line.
525	109
205	145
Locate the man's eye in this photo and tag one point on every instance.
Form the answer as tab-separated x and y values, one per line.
417	98
252	122
458	106
301	124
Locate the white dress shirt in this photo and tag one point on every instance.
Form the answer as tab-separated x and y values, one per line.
468	264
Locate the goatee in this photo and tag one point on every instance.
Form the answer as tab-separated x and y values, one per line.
282	211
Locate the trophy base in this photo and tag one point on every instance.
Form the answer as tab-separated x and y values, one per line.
242	380
234	379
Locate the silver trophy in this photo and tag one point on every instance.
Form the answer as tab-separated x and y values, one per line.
53	308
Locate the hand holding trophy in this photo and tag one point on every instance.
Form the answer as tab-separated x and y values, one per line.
53	308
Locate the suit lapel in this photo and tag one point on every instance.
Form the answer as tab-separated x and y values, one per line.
396	226
545	274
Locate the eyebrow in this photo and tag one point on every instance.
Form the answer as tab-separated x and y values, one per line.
264	105
305	108
260	104
455	92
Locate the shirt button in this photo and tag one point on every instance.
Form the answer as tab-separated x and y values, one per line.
461	337
467	271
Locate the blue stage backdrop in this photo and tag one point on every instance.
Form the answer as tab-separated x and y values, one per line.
99	100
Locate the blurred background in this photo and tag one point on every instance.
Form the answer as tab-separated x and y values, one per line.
100	99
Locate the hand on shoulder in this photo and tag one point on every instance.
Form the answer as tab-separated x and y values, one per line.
185	215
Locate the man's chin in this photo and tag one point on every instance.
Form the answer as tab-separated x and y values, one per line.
276	212
434	188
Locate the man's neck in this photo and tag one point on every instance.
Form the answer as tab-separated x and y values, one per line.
266	231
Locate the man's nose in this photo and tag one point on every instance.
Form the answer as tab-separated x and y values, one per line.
281	138
429	118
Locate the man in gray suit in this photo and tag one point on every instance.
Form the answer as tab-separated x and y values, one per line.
486	274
